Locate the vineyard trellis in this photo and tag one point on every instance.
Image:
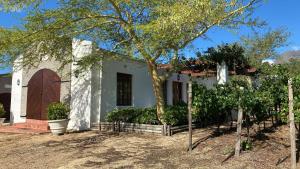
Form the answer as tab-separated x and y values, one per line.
262	98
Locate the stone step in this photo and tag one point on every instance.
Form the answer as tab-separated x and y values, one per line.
12	129
33	124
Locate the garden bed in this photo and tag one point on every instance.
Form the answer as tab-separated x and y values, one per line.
167	130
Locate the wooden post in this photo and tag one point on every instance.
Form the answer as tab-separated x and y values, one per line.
239	131
165	133
190	115
119	126
292	125
169	130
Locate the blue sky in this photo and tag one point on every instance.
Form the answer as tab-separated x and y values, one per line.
277	13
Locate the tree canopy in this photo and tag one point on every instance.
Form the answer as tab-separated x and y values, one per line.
151	30
262	46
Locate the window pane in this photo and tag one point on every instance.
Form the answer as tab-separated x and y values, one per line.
124	89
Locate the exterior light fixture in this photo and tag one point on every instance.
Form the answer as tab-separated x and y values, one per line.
18	82
76	73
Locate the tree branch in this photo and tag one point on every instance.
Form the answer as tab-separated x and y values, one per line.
218	21
117	9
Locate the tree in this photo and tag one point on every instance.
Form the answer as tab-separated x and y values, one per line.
154	30
232	54
262	46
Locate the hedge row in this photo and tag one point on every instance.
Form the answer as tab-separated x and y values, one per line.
174	115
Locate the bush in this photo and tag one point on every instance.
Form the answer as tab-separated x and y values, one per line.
176	115
58	111
125	115
2	111
246	145
134	115
147	116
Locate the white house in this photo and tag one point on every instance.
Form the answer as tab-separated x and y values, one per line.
110	84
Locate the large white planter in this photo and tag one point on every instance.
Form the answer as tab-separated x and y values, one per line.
1	121
58	127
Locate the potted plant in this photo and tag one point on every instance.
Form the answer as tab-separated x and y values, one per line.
2	114
58	118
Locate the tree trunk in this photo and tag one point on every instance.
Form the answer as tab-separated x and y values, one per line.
292	126
272	120
239	132
231	120
190	98
158	90
248	128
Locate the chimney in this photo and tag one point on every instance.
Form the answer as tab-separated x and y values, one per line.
222	73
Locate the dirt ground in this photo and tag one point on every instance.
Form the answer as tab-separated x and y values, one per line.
94	149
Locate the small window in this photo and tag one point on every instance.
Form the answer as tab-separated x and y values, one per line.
124	89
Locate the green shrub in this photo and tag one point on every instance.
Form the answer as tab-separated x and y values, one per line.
133	115
246	145
2	111
146	116
176	115
58	111
125	115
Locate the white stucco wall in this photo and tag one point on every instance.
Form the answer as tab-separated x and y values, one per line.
16	94
142	91
209	82
184	79
96	75
80	103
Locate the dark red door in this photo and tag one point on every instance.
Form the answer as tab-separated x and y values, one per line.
5	100
43	89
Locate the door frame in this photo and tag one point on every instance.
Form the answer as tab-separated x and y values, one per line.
43	88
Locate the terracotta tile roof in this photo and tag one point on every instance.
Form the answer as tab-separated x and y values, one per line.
196	72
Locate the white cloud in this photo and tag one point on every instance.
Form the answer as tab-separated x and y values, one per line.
295	47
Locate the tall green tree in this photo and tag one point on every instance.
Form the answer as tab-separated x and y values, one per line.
261	46
153	30
231	54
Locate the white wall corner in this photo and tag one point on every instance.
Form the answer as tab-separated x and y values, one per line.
80	88
16	92
222	73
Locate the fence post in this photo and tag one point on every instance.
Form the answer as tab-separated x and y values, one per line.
190	115
239	130
113	126
119	126
292	125
164	131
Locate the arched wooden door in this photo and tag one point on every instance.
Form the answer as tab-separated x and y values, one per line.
5	100
43	89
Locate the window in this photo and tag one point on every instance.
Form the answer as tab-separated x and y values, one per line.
124	89
177	93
